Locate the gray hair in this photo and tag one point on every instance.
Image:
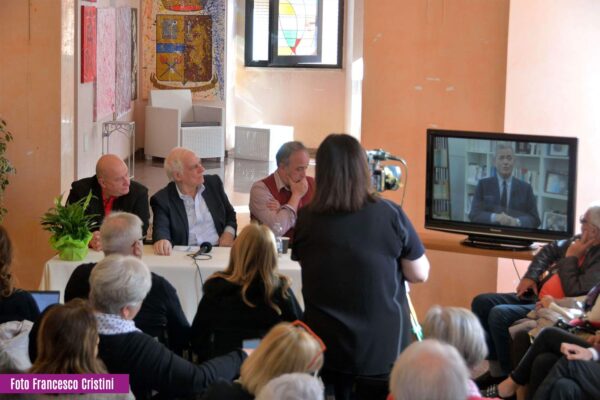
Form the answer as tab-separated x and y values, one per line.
118	281
119	231
173	161
460	328
503	146
429	370
295	386
286	150
593	212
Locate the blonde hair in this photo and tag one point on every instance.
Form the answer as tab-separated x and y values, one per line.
285	349
254	256
460	328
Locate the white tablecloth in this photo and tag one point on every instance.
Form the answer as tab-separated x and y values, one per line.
178	268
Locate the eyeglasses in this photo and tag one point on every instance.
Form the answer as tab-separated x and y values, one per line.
302	325
584	220
139	240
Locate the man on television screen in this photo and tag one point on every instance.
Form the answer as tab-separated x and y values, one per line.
504	199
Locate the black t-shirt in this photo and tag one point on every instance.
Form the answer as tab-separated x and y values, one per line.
353	285
18	306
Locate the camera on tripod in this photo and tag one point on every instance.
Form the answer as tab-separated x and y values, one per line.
384	177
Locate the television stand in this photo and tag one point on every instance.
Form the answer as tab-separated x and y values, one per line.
498	243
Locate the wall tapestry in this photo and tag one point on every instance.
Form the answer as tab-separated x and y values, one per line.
105	65
88	44
184	49
123	61
134	53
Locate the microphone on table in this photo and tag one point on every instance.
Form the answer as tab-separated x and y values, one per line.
205	248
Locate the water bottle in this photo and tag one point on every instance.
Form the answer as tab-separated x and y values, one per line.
278	232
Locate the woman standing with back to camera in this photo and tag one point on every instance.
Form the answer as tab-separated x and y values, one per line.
356	251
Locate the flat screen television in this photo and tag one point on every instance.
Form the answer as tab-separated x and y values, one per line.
502	190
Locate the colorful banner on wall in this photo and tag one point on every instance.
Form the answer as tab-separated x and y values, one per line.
88	44
184	49
123	61
105	65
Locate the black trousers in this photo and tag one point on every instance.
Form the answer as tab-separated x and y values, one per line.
571	380
541	357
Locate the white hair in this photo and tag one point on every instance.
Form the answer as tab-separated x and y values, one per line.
118	281
119	231
295	386
460	328
174	163
429	370
593	212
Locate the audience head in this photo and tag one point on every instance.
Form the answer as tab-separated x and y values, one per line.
121	233
6	255
119	284
67	341
590	221
429	370
292	162
460	328
343	179
254	258
505	159
184	167
287	348
296	386
113	175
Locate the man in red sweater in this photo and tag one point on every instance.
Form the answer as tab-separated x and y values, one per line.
278	197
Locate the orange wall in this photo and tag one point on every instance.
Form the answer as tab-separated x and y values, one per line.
30	101
434	63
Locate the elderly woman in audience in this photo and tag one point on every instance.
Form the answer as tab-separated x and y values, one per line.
460	328
68	344
245	300
287	348
429	370
15	304
356	250
118	287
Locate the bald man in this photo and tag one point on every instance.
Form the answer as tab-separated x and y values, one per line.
112	191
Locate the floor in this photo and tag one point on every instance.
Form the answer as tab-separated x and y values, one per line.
237	175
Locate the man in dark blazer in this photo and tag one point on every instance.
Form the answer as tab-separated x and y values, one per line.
113	191
193	208
504	199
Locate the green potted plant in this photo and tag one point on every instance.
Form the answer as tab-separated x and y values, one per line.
6	167
70	227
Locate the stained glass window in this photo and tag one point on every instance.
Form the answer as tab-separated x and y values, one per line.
296	33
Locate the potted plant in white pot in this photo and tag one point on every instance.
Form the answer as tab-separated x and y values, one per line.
71	228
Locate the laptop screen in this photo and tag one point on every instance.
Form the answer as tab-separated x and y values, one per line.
45	298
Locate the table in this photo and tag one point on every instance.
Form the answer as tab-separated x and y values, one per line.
178	269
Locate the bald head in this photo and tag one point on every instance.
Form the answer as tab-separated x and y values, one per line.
113	176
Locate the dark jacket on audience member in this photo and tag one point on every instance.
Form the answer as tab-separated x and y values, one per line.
18	306
226	390
223	320
135	202
161	311
153	367
170	219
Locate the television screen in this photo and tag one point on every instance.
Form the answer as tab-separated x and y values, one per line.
508	189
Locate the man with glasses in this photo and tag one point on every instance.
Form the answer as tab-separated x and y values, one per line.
564	268
113	191
161	314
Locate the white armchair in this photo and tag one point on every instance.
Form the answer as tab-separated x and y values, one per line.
172	120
